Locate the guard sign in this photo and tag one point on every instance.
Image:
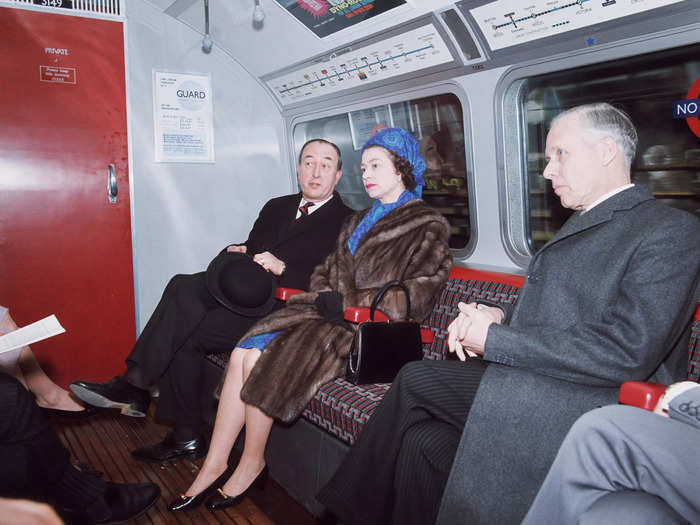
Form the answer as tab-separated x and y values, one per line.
689	109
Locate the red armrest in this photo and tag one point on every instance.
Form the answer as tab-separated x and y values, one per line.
285	293
358	314
640	394
355	314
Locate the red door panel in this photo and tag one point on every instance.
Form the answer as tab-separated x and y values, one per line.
64	248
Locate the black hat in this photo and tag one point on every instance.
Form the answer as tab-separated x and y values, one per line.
241	284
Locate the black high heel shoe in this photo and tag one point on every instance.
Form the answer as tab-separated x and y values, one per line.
221	501
189	502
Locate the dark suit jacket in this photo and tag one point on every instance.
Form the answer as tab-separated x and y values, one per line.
606	300
301	245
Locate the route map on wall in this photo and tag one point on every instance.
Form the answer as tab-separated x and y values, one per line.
504	25
414	50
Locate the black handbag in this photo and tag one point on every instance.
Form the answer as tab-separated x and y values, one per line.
380	349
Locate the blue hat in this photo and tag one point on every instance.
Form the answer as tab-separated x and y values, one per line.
402	143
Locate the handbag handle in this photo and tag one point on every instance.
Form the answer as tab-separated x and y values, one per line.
380	295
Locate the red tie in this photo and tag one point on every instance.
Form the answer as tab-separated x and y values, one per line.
304	210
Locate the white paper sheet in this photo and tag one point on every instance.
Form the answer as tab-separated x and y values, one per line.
42	329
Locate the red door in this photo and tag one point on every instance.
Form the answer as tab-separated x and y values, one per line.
64	248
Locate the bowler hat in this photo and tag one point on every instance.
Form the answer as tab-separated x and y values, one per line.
240	284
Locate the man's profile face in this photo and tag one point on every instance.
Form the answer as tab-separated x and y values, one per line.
572	164
318	171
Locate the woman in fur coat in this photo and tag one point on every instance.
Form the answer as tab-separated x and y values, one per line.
283	359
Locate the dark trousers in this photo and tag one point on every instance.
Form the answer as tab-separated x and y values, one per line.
397	470
32	456
187	324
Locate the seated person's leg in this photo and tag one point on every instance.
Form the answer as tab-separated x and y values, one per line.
37	465
28	371
183	305
619	448
422	468
182	390
423	391
630	508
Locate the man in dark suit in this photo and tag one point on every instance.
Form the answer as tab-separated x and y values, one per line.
607	299
291	236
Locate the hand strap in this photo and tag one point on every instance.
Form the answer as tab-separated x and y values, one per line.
380	295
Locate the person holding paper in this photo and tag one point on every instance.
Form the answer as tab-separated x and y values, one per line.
22	364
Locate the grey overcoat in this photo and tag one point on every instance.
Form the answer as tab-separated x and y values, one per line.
607	300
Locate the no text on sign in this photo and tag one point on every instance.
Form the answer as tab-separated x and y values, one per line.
689	109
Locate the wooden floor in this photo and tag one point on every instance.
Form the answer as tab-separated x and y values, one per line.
104	442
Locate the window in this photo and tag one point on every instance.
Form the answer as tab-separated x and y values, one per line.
436	122
644	86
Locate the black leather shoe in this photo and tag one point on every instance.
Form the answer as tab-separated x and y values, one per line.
87	412
221	501
120	502
170	449
184	502
116	393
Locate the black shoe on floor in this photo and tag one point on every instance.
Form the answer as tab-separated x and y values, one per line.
116	393
72	415
120	502
170	449
220	500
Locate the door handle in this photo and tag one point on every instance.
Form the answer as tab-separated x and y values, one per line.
112	189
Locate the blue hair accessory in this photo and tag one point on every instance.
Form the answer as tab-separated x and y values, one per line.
402	143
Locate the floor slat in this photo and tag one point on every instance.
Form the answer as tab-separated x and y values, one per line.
104	442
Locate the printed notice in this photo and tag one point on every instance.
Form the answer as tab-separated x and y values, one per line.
183	117
58	74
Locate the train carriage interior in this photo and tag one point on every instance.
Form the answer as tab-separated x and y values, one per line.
140	137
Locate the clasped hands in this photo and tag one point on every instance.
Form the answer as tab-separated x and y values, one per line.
466	335
265	259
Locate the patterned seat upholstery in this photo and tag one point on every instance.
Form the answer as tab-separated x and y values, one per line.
342	409
694	349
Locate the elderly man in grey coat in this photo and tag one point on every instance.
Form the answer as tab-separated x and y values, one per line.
608	299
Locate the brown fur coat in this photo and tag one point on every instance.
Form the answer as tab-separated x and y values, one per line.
410	243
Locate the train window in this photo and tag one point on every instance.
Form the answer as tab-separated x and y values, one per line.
645	86
436	122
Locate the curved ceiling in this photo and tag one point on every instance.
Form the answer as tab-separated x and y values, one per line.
280	40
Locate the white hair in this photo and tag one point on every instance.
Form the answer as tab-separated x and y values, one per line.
604	120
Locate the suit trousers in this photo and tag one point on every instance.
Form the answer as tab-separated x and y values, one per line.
32	456
397	470
187	324
622	465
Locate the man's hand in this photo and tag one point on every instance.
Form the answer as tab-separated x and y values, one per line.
467	333
237	248
270	262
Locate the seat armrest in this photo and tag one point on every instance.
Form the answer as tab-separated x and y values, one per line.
641	394
283	294
359	314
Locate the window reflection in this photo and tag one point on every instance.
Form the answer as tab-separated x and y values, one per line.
668	153
436	122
